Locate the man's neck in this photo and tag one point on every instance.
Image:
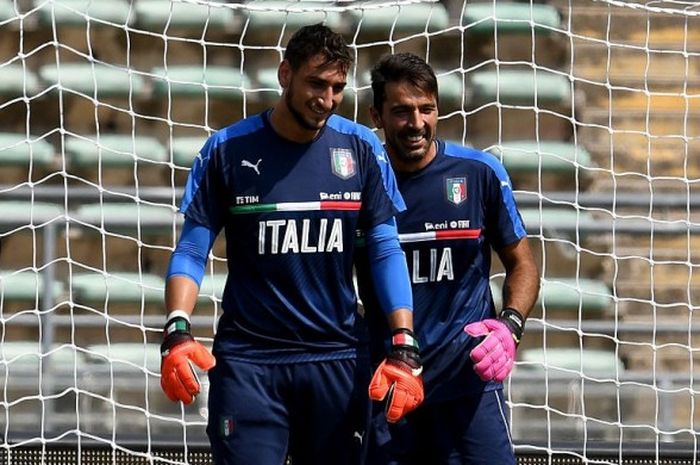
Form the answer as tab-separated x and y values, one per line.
287	127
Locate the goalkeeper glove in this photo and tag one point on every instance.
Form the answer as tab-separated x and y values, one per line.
178	351
494	357
398	378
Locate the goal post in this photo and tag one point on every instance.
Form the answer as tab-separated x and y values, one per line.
591	105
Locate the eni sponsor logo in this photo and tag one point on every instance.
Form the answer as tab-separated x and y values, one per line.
340	196
447	224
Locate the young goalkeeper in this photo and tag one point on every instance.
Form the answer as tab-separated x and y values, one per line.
460	206
290	371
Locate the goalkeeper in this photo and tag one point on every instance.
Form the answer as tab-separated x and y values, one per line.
290	367
459	206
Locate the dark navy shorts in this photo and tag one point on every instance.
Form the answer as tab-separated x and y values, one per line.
470	430
315	412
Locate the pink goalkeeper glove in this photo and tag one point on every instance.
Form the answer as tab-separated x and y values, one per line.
494	357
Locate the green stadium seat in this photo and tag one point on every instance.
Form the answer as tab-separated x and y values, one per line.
7	11
212	285
185	149
531	156
511	86
450	87
156	15
591	362
17	150
77	12
125	217
377	17
570	293
567	294
565	219
509	17
220	82
15	79
24	357
113	150
117	287
25	286
17	213
262	16
90	78
132	356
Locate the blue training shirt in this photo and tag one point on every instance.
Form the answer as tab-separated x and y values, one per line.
289	212
459	207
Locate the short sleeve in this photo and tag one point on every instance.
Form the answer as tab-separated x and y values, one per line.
503	221
381	198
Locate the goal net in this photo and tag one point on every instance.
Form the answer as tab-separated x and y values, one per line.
593	107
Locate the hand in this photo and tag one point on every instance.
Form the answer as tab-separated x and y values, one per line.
178	351
398	378
494	357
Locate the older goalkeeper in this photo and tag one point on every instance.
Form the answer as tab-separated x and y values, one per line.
460	206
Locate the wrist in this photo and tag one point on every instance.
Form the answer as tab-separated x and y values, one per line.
404	338
514	321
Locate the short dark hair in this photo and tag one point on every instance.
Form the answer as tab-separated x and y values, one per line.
399	67
314	39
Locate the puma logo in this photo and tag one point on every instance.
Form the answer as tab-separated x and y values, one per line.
359	436
248	164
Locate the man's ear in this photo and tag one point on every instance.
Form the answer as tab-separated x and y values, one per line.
376	118
284	74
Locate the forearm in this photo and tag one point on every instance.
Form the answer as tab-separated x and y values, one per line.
180	294
522	281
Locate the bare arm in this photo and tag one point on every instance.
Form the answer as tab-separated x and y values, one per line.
180	294
522	281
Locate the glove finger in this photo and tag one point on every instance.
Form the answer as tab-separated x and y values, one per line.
175	390
476	329
379	385
187	377
487	346
165	383
395	403
203	358
504	371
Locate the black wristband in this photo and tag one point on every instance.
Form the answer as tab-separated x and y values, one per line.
515	322
176	331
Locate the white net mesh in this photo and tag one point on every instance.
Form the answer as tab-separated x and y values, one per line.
592	106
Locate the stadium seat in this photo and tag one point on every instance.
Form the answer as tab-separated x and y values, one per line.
570	293
17	80
478	18
567	294
527	87
117	287
560	361
136	357
93	79
127	217
16	213
17	150
112	150
566	219
156	15
220	82
185	149
7	11
377	18
212	285
76	12
531	156
270	16
25	286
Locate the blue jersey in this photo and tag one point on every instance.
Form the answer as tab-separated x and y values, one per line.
459	207
290	212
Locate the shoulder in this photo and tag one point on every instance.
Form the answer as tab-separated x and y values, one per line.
485	160
241	128
350	128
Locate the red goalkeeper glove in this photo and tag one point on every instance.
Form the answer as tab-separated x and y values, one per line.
398	378
494	357
178	351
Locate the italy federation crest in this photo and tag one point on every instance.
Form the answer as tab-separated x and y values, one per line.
342	163
456	190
